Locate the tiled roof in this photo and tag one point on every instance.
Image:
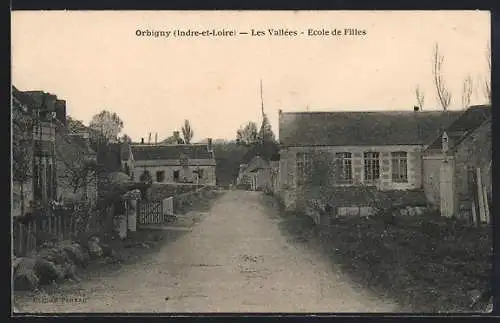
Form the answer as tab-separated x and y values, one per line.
362	128
169	152
470	120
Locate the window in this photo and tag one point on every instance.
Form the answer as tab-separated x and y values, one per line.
200	173
344	168
160	176
176	175
372	166
399	167
303	165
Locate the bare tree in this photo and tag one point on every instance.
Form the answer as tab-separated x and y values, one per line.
187	132
467	90
487	80
420	96
443	94
76	162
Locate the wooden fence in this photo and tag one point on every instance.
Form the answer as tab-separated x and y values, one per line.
28	232
150	212
159	211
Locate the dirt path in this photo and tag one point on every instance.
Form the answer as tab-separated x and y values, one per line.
234	260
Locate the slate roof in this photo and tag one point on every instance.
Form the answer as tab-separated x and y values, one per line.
373	128
170	152
469	121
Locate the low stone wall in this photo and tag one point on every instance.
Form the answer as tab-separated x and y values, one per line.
184	200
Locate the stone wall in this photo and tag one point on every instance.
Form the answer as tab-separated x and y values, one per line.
288	189
474	151
207	179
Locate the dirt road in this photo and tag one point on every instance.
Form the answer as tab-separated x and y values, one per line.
234	260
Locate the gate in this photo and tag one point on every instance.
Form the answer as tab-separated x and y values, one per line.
150	212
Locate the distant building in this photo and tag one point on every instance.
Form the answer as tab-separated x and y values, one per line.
176	163
469	147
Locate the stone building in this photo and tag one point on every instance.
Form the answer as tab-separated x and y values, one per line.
360	152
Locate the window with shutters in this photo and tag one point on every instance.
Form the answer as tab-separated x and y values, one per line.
343	173
371	167
399	161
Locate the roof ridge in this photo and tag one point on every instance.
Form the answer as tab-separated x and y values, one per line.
373	111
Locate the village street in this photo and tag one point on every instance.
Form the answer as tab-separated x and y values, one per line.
235	260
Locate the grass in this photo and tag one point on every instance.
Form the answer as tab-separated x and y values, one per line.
426	264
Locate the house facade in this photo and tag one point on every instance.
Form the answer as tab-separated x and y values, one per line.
468	147
40	113
257	174
331	155
178	163
49	151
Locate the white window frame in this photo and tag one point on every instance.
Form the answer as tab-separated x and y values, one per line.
344	169
302	167
371	167
399	167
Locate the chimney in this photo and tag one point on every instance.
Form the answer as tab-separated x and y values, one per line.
156	138
209	144
142	141
149	138
415	108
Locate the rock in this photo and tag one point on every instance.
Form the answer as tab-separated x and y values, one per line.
70	271
25	277
56	255
48	271
76	254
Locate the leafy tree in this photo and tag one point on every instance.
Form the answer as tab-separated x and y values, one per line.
266	133
126	139
107	124
174	140
187	132
248	134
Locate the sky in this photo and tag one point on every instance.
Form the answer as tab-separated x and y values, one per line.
94	60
